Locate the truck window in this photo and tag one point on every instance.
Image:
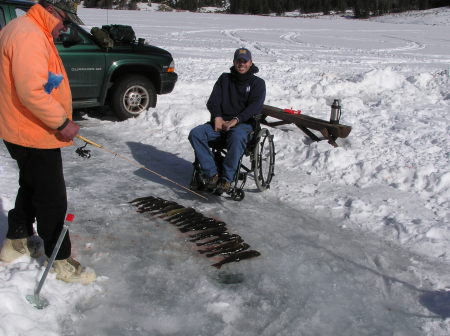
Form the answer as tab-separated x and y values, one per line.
71	31
2	18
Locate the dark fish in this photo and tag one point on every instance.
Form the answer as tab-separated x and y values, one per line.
197	221
192	220
140	199
238	247
217	247
157	205
168	208
208	233
224	237
219	229
237	257
143	210
151	203
180	221
177	213
150	200
202	226
145	202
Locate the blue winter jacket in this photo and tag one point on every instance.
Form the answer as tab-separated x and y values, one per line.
236	95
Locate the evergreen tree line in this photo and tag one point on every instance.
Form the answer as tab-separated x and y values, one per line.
109	4
361	8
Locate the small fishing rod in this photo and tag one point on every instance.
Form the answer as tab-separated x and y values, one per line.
134	163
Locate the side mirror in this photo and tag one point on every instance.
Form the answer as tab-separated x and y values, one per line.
69	41
70	38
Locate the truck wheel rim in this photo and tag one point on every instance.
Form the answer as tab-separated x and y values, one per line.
136	99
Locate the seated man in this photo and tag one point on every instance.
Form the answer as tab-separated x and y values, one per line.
235	99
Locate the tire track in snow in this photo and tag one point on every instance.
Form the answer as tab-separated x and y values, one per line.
232	34
291	37
410	44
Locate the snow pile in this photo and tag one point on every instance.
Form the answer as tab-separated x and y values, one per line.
434	16
350	237
144	6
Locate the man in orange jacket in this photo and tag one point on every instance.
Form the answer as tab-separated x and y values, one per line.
35	123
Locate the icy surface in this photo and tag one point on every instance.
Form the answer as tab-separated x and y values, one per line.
351	238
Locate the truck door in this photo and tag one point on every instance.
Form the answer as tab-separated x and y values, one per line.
84	64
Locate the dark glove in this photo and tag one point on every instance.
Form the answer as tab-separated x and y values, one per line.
68	130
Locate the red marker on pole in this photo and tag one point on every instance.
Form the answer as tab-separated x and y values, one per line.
291	111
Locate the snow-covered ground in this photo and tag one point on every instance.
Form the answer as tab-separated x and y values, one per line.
354	240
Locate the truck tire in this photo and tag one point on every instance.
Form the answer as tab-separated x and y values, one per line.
131	96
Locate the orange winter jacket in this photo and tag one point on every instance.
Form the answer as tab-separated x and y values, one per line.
28	115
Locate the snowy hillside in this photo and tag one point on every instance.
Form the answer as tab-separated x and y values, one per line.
353	239
435	16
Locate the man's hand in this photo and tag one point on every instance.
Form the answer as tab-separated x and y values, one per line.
218	124
227	125
69	132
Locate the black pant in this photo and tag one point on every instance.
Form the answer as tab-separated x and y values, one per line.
41	196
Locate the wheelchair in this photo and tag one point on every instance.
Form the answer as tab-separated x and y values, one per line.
260	152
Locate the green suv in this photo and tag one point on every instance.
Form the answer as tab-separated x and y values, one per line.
127	77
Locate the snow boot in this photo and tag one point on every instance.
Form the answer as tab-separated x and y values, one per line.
15	248
70	270
223	186
211	182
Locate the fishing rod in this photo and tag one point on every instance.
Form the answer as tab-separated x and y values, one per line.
134	163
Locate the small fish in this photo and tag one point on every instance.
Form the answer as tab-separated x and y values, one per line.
203	226
237	257
191	220
168	208
139	199
181	220
143	210
145	202
198	221
225	245
208	233
238	247
224	237
157	205
175	212
150	203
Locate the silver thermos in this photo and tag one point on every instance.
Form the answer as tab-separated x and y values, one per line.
336	112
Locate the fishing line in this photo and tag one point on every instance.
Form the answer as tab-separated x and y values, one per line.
86	154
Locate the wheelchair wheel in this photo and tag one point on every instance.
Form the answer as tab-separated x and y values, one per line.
264	156
237	195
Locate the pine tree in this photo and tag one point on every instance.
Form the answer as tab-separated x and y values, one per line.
361	9
326	6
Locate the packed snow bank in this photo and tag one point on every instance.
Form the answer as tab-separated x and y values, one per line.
396	157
